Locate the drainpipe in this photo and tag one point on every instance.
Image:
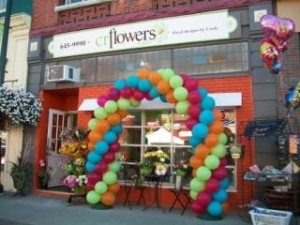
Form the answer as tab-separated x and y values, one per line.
3	57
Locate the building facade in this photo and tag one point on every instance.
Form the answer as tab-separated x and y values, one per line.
98	42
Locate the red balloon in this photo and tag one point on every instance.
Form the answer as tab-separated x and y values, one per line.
212	185
89	186
126	92
194	111
194	97
191	84
114	147
113	94
220	173
93	178
101	167
190	123
109	157
101	100
223	162
138	95
197	208
148	97
203	199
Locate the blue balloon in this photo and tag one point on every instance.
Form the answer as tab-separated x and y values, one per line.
163	98
133	81
202	92
101	147
144	85
208	103
94	157
153	92
117	128
120	84
215	208
194	141
110	137
221	195
90	167
200	131
225	183
207	117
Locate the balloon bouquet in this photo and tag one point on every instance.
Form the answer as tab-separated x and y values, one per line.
208	187
276	33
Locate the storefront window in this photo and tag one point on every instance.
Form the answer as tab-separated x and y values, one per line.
165	130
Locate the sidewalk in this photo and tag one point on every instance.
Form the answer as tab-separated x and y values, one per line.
35	210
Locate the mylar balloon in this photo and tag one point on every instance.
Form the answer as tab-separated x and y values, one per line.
292	98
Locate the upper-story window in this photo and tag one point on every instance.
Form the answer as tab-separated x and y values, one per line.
72	4
3	6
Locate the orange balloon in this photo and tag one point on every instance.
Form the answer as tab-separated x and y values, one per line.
114	188
114	119
108	198
95	136
102	126
194	172
201	151
218	114
91	145
195	162
122	113
163	87
143	73
155	78
217	127
170	97
211	140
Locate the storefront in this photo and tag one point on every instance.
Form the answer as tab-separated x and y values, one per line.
82	65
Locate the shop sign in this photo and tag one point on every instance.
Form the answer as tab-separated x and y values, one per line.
199	27
264	128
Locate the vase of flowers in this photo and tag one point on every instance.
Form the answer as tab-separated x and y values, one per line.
158	160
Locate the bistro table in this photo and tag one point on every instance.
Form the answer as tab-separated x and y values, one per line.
182	197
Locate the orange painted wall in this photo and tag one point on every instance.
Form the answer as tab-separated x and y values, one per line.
241	84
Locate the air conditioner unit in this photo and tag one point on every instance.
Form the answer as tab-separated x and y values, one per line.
63	73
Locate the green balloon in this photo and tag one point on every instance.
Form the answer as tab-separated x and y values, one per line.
92	197
100	113
111	106
167	74
101	187
222	138
123	104
114	167
203	173
182	107
134	103
193	194
110	177
92	124
176	81
219	150
212	162
180	93
197	185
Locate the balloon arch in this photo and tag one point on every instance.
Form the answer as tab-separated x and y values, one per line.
209	183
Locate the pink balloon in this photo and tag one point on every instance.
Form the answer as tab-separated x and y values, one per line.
197	208
138	95
114	147
126	92
101	100
101	167
220	173
190	123
109	157
89	186
148	97
212	185
194	97
194	111
113	94
203	199
93	178
191	84
223	162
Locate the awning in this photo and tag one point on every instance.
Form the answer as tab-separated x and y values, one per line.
221	99
163	136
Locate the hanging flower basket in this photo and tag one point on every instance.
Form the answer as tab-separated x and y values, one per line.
235	151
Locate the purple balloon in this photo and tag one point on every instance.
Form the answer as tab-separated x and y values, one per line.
220	173
203	199
101	100
212	185
194	111
113	94
114	147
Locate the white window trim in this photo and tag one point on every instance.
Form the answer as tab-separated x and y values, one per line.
83	3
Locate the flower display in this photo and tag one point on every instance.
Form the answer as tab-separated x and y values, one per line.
19	107
181	168
156	159
74	146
